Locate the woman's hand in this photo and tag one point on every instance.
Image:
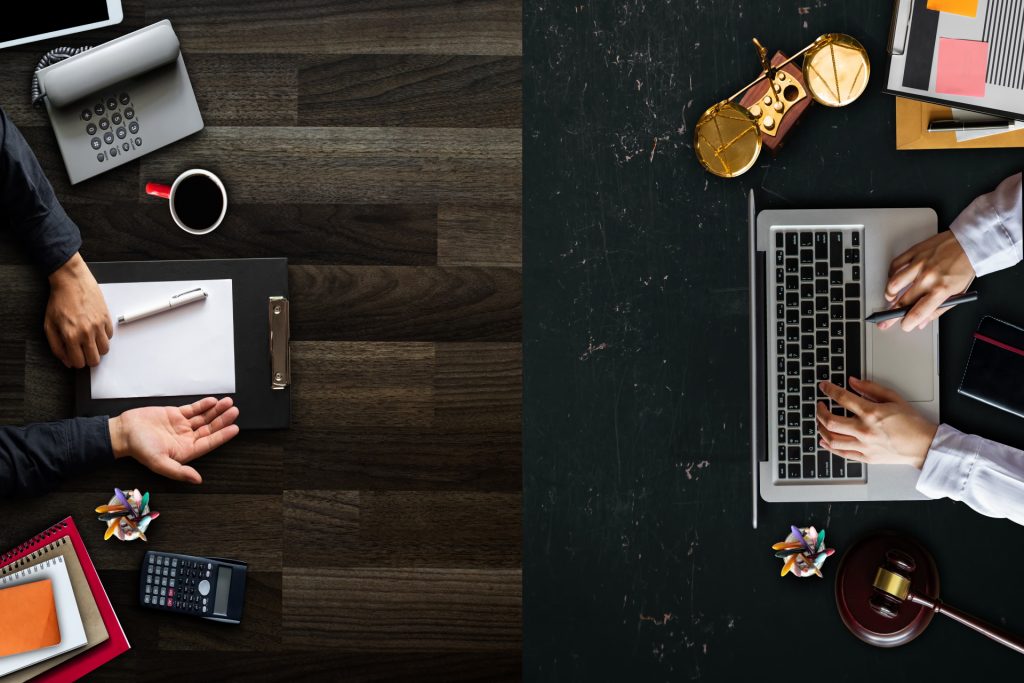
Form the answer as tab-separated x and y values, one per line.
165	439
882	428
930	272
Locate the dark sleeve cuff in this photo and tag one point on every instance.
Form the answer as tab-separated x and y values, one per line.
88	445
58	239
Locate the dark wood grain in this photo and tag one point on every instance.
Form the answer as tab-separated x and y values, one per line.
405	304
475	27
351	165
415	459
363	385
478	387
406	528
244	89
12	381
318	234
376	144
369	609
403	90
479	234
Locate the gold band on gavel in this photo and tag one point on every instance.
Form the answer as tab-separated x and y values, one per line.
891	583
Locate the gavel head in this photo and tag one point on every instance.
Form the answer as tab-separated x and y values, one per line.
892	583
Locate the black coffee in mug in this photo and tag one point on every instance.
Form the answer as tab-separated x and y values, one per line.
198	201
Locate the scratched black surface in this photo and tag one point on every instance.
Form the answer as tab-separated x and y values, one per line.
639	560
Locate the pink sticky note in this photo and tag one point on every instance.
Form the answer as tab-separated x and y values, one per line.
962	67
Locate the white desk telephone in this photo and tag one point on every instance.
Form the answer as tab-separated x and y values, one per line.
119	100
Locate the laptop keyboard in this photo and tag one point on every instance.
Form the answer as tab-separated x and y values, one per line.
819	329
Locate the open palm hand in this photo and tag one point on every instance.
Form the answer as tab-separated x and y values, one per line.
166	439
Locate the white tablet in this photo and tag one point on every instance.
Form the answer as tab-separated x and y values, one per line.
34	21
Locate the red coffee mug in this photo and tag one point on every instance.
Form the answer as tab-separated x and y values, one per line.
197	199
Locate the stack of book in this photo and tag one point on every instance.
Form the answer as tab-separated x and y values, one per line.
56	622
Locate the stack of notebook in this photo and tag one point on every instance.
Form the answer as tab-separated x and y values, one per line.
56	622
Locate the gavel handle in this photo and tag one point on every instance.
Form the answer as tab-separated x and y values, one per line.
997	634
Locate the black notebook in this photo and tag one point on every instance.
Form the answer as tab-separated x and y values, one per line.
995	368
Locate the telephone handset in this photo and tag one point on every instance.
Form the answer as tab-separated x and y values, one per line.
117	101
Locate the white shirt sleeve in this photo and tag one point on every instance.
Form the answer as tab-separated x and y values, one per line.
990	229
986	475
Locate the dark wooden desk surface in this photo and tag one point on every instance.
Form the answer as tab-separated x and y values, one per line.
639	560
377	146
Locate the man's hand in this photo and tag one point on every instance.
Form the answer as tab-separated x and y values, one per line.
164	439
77	322
883	429
930	272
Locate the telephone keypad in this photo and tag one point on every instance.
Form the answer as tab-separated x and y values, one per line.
120	111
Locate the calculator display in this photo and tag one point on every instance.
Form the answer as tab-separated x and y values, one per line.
220	605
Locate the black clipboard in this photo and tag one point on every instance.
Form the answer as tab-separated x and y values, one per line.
261	319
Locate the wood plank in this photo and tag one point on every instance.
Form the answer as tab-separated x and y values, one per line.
260	630
417	459
405	303
485	27
351	165
330	517
412	90
405	528
340	384
479	235
247	527
50	393
155	666
12	381
319	234
384	609
478	387
244	90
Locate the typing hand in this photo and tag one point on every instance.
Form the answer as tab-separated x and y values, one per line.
930	272
882	428
165	439
77	322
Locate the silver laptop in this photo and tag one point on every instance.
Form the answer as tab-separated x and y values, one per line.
118	101
814	276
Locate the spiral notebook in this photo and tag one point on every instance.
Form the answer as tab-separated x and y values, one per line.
72	632
105	638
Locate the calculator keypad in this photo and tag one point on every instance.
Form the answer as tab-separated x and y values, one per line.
178	584
111	113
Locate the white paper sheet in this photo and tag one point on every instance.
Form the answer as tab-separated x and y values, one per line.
964	115
189	350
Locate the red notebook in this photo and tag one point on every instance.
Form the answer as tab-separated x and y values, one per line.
100	654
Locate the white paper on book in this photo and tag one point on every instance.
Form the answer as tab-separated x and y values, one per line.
72	632
185	351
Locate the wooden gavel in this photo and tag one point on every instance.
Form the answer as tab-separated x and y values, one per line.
892	589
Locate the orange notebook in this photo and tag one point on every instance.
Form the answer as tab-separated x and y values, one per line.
30	606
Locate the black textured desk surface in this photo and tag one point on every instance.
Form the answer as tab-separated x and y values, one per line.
639	559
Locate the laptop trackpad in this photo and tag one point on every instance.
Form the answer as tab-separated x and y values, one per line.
904	361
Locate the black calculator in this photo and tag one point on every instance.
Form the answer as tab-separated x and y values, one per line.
207	587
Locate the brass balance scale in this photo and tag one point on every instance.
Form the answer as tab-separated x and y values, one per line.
728	136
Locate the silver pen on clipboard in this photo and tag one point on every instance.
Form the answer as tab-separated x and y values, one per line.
177	301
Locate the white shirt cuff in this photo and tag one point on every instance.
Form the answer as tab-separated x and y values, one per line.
948	464
989	229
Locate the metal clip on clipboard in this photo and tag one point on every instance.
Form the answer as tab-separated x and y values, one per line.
899	29
280	355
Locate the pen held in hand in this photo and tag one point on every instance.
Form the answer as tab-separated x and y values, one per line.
189	297
880	316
